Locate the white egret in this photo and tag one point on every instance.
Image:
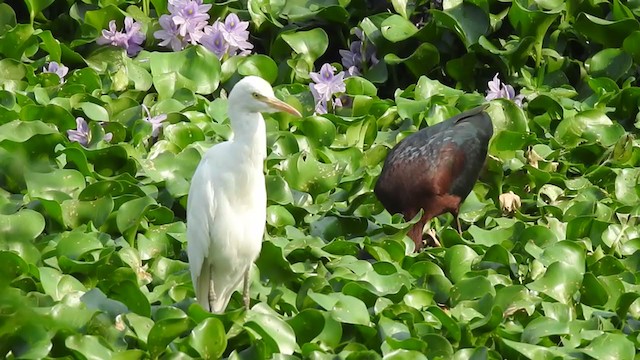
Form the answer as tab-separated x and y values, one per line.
226	208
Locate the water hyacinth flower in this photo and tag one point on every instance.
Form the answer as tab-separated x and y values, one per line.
155	121
81	134
230	37
131	39
360	53
57	69
325	85
170	35
236	34
498	90
214	41
190	16
187	23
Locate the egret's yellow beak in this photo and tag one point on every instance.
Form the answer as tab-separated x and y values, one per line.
281	105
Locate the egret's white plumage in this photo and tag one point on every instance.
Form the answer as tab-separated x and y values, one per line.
226	208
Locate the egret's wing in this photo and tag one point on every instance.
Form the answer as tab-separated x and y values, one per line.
201	208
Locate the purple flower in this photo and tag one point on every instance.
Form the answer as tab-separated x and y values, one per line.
169	34
155	121
191	17
131	39
57	69
108	137
236	34
359	54
326	85
499	90
352	58
81	134
214	41
113	36
136	37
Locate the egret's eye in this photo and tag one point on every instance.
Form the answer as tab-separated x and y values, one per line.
255	95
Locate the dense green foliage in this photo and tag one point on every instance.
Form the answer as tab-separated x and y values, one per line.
92	238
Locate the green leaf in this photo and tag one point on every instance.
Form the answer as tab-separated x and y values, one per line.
420	62
194	68
559	282
276	333
543	327
611	63
164	331
25	225
611	346
605	32
57	185
466	19
259	65
343	308
209	338
396	28
309	44
89	346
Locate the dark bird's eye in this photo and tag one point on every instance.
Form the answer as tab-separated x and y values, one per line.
255	95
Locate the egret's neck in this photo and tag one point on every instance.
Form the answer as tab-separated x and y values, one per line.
249	134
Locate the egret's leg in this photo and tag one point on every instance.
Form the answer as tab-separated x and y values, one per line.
212	292
245	290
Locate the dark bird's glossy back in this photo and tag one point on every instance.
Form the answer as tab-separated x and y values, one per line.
435	168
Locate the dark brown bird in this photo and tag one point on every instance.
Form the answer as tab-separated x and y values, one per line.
435	169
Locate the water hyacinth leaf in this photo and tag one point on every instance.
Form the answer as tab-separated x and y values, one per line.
89	346
183	134
420	61
400	6
24	225
194	68
466	19
309	44
278	216
74	244
625	185
611	346
7	18
528	350
343	308
15	42
19	131
610	63
56	185
76	212
590	125
130	213
632	45
543	327
593	292
559	282
312	325
164	331
209	338
305	173
278	190
277	335
606	32
259	65
320	131
459	260
471	289
396	28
